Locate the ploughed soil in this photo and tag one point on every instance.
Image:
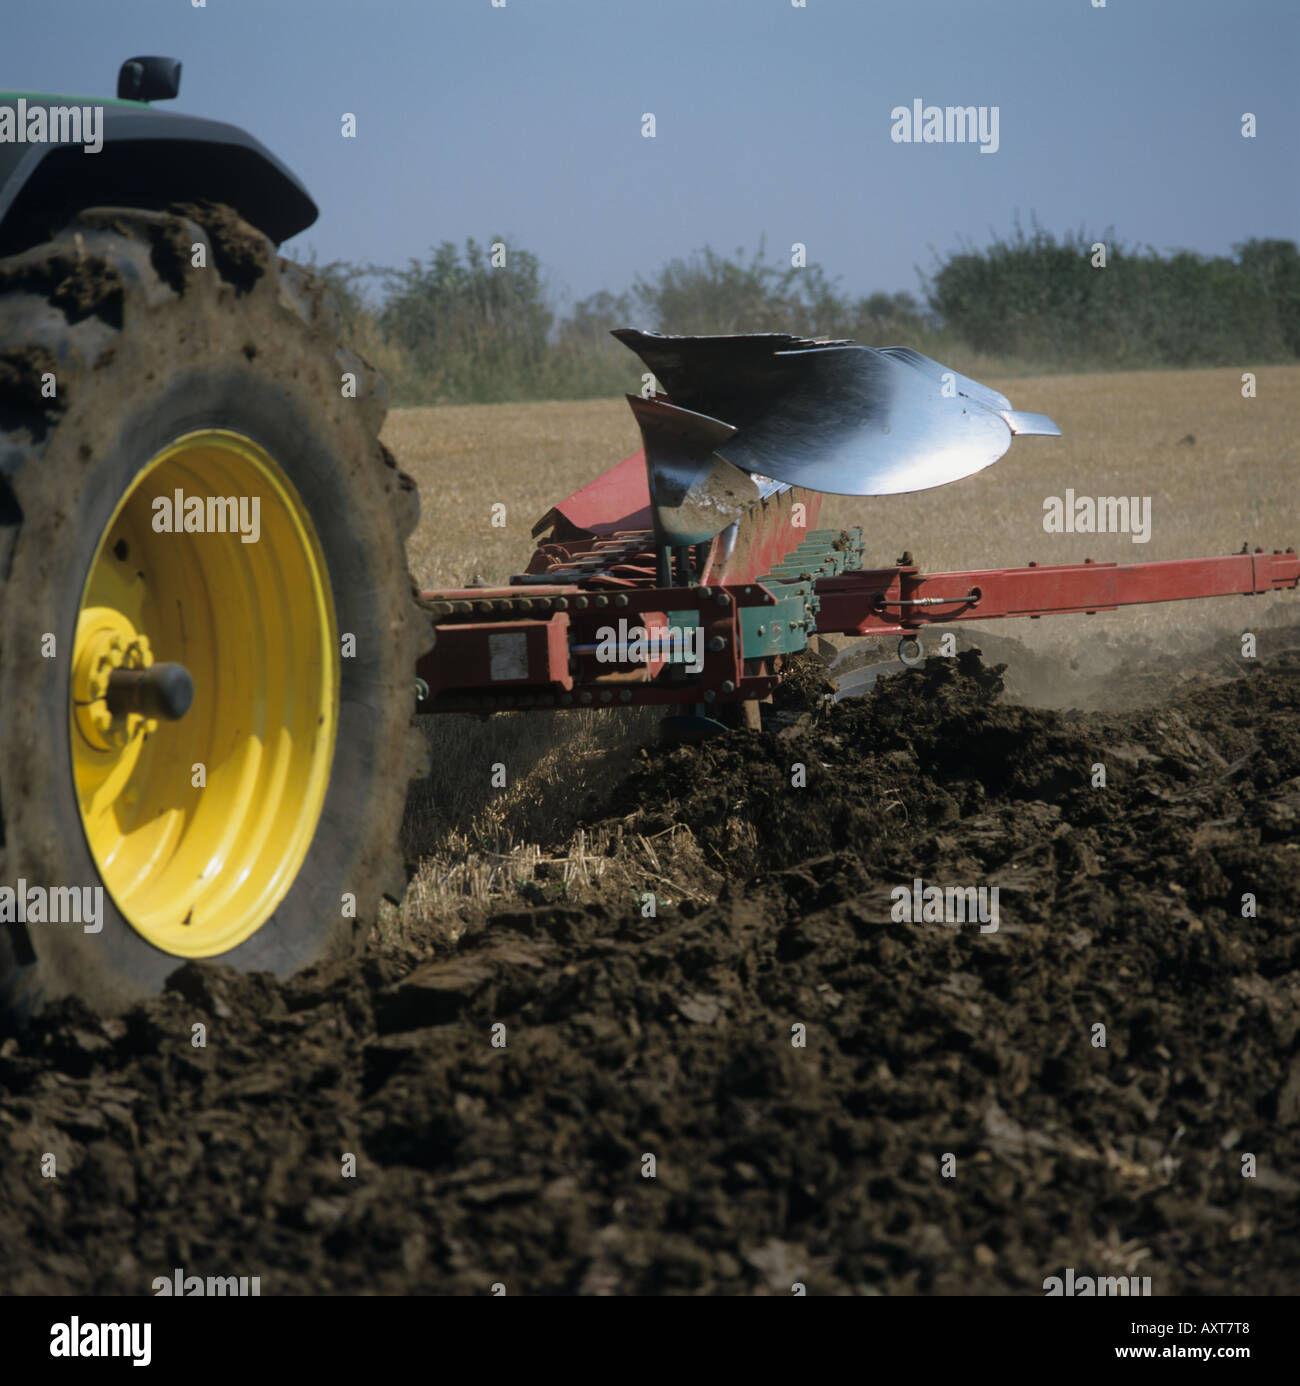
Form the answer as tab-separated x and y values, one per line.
831	1096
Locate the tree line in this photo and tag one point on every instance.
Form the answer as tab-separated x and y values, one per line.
476	324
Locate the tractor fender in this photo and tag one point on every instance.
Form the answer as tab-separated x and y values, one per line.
149	159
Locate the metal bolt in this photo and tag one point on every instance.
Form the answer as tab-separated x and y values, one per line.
560	604
584	697
724	599
601	600
621	599
728	686
709	695
606	696
566	699
717	644
625	695
762	630
484	607
580	603
163	690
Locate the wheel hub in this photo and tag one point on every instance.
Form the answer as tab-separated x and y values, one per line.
107	643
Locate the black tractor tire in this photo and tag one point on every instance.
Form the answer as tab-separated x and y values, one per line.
151	325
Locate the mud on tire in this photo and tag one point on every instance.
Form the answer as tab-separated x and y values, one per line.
142	347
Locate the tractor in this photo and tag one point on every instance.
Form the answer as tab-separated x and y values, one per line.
212	652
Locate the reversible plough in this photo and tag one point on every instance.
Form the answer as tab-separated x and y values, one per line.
689	572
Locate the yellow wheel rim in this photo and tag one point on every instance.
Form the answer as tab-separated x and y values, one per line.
199	826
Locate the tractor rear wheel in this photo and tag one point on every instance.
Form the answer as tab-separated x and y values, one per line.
191	482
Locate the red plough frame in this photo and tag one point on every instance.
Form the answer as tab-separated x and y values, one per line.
535	643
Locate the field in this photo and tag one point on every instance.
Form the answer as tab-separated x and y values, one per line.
522	1035
1220	470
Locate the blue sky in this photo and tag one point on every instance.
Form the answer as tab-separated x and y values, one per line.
772	121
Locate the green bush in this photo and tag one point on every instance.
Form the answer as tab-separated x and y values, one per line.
461	328
1033	297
